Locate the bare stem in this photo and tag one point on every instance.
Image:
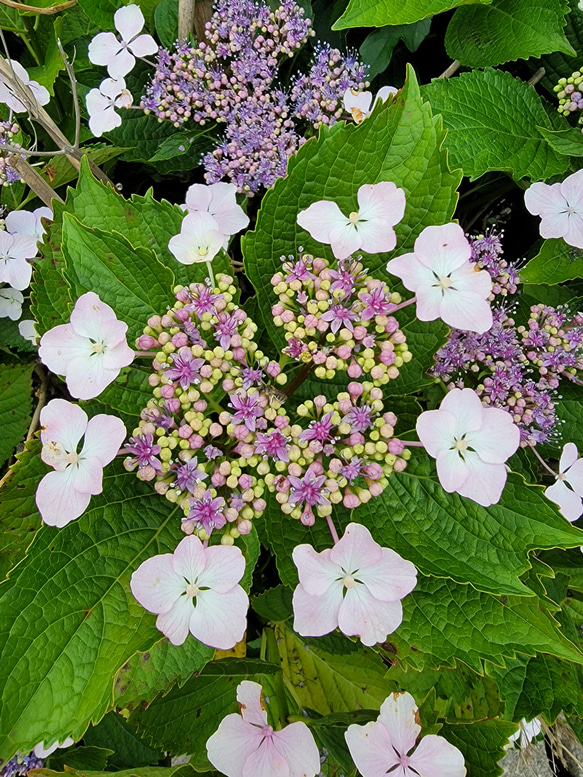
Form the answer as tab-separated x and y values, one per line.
300	377
536	77
402	305
412	444
43	11
73	82
42	400
33	180
332	528
450	70
542	461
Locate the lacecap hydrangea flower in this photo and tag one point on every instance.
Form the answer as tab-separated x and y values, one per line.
560	206
119	56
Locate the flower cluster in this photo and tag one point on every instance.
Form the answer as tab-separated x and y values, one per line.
486	254
518	368
229	78
21	765
339	320
344	454
200	453
569	94
8	131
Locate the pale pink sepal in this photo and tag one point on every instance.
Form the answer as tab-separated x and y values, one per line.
560	206
567	490
246	746
218	199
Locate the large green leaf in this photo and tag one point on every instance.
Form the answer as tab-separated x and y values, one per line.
68	620
446	535
129	750
183	770
146	675
445	623
493	121
185	718
377	49
556	262
480	36
559	65
19	518
327	682
400	142
15	406
482	743
372	13
542	685
131	280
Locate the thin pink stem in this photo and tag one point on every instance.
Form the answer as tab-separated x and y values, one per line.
332	528
543	462
413	444
145	353
403	305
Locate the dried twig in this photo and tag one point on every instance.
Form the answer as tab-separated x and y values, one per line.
32	179
43	11
42	400
450	70
185	19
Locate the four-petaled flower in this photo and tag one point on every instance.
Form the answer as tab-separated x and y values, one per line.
186	369
199	239
89	351
356	586
11	303
370	229
64	495
571	473
14	252
12	97
247	409
560	207
360	104
119	55
219	200
470	443
246	746
446	284
272	445
390	744
102	102
27	222
195	589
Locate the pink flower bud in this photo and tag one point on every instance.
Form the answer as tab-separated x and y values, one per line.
228	385
145	342
244	527
218	480
146	473
199	406
196	442
245	450
356	438
310	321
184	432
246	481
206	371
399	465
277	309
295	470
343	352
215	430
160	487
319	357
154	322
375	488
230	514
187	527
167	391
350	501
179	339
167	320
182	315
308	518
153	380
355	389
359	332
354	370
287	316
396	447
390	418
259	505
320	401
172	405
182	295
377	372
239	354
344	406
273	369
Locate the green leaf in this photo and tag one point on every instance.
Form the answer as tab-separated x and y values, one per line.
146	675
50	292
400	142
59	171
11	20
567	141
19	518
506	30
130	279
445	623
275	604
101	11
556	262
184	770
184	150
558	64
377	13
15	406
542	685
424	339
95	758
500	129
128	749
68	620
446	535
377	48
482	744
142	134
129	394
166	22
185	718
326	682
570	414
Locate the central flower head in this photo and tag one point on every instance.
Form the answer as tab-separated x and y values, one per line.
445	282
191	590
461	445
349	581
97	348
354	217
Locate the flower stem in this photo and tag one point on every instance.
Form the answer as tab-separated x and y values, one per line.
412	444
403	305
543	462
332	528
211	274
300	377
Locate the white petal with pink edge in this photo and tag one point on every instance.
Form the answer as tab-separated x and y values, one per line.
497	439
58	501
371	749
485	482
316	571
362	615
62	422
224	568
436	429
320	218
231	745
356	549
155	584
315	616
436	757
296	743
465	405
220	620
570	504
399	715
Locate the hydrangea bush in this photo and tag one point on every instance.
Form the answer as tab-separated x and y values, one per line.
292	361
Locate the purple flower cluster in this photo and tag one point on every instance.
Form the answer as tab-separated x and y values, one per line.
518	368
8	131
487	255
569	94
339	319
345	454
229	78
21	765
